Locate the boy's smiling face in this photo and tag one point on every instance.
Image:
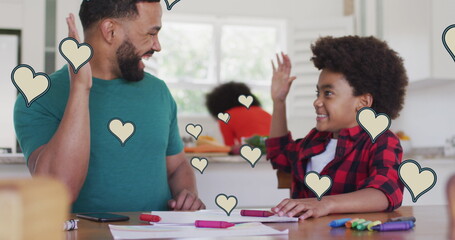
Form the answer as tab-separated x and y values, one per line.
336	106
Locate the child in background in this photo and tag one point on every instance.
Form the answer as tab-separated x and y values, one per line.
243	122
356	72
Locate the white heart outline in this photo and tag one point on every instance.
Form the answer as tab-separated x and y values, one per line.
34	74
376	115
79	45
224	114
227	199
200	159
242	98
194	126
123	124
319	177
251	149
421	169
169	7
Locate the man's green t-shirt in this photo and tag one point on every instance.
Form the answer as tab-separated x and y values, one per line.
129	177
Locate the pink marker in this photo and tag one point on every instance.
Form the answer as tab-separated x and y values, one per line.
256	213
212	224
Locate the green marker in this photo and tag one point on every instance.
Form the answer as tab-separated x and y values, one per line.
362	226
373	224
354	224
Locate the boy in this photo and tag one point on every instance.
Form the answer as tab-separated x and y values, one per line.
356	72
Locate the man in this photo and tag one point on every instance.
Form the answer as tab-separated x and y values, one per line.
65	133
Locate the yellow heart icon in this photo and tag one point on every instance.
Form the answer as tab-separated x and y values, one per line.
30	84
416	179
194	130
319	185
448	40
252	155
246	100
374	124
199	163
171	3
122	131
224	117
75	53
226	203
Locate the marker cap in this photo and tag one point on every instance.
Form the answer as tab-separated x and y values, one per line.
149	218
339	222
373	224
359	221
348	224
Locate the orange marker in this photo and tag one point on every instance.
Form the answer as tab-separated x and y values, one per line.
348	224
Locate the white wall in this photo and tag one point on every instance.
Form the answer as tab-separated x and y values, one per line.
27	16
428	116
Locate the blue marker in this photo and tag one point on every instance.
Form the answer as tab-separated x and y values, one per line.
339	222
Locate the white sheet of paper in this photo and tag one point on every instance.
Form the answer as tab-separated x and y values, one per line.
184	231
215	215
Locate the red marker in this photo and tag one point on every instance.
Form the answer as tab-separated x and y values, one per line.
149	218
212	224
256	213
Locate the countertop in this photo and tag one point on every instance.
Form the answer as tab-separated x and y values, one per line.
18	158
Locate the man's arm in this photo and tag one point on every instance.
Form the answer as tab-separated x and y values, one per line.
182	183
66	155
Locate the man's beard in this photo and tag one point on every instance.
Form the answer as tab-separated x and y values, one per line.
128	62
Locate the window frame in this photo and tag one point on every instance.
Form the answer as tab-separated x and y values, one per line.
218	23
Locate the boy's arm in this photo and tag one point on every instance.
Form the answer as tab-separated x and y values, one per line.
281	83
363	200
382	190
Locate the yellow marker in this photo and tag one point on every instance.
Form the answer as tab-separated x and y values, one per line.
373	224
354	224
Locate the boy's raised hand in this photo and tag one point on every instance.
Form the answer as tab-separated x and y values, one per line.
302	208
83	78
281	80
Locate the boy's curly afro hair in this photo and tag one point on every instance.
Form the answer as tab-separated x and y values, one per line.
369	66
226	96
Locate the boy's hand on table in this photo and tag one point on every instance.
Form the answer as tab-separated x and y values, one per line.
302	208
186	201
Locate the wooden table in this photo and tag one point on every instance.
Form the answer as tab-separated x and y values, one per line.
432	223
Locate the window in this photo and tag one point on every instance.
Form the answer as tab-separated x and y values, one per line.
199	54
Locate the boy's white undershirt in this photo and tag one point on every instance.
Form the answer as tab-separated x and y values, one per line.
318	162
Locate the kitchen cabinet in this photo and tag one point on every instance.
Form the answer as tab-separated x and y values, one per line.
414	29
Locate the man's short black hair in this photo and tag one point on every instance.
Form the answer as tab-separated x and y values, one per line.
226	96
369	66
94	10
